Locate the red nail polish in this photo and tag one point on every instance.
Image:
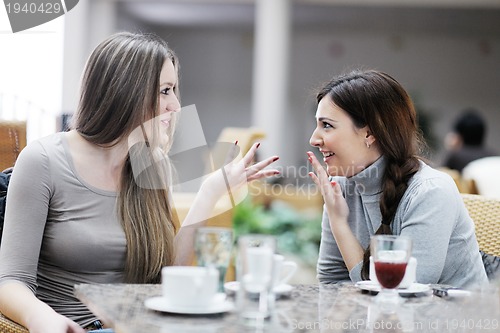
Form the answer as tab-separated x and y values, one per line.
275	159
258	145
236	142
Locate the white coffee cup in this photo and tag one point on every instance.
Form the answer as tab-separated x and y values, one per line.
410	273
283	270
260	265
189	286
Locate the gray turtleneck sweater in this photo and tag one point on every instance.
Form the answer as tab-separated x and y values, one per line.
431	213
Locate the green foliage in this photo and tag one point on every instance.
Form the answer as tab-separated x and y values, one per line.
296	233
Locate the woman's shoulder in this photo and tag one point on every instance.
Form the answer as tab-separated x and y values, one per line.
42	149
430	190
50	143
428	180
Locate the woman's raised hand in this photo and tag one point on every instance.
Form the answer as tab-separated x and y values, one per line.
252	171
335	203
239	171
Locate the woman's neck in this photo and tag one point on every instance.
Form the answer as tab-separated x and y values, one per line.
100	166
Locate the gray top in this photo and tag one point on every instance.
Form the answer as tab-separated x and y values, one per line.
431	213
59	231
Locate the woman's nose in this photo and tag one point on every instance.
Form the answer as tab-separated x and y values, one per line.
174	106
315	140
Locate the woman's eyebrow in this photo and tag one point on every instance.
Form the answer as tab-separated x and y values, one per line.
167	84
326	118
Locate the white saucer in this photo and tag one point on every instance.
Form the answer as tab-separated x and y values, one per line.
160	303
413	289
281	290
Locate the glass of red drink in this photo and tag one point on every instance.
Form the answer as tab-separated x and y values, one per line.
390	255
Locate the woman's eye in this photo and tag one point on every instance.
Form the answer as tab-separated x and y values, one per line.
326	125
165	91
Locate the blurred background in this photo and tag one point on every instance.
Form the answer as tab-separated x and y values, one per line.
258	63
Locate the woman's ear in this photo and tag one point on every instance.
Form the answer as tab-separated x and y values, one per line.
369	138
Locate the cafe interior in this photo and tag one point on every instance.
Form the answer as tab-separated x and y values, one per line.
249	72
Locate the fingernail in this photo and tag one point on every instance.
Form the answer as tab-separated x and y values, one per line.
333	183
275	159
277	172
236	142
310	159
258	145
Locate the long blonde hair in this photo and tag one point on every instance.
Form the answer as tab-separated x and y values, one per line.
120	92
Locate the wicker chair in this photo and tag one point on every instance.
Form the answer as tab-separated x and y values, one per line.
485	212
12	141
8	326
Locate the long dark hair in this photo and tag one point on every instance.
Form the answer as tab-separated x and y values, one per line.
375	99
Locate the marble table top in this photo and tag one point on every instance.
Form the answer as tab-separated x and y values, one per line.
308	308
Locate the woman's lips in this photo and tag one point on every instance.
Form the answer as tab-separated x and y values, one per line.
328	157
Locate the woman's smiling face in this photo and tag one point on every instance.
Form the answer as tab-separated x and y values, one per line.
346	149
168	100
156	130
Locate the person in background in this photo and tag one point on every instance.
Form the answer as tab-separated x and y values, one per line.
375	183
465	143
92	205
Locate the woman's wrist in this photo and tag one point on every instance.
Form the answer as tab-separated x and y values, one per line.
337	220
207	193
39	317
213	187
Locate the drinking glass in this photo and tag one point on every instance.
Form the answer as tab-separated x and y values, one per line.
255	299
390	255
213	246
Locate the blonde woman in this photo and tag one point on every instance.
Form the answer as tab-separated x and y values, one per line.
92	205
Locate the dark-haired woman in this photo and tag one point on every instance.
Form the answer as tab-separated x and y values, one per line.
374	183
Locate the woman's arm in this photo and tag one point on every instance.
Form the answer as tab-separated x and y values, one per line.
428	216
224	182
331	267
337	212
20	305
199	212
25	217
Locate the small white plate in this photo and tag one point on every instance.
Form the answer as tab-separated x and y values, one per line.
281	290
160	303
413	289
